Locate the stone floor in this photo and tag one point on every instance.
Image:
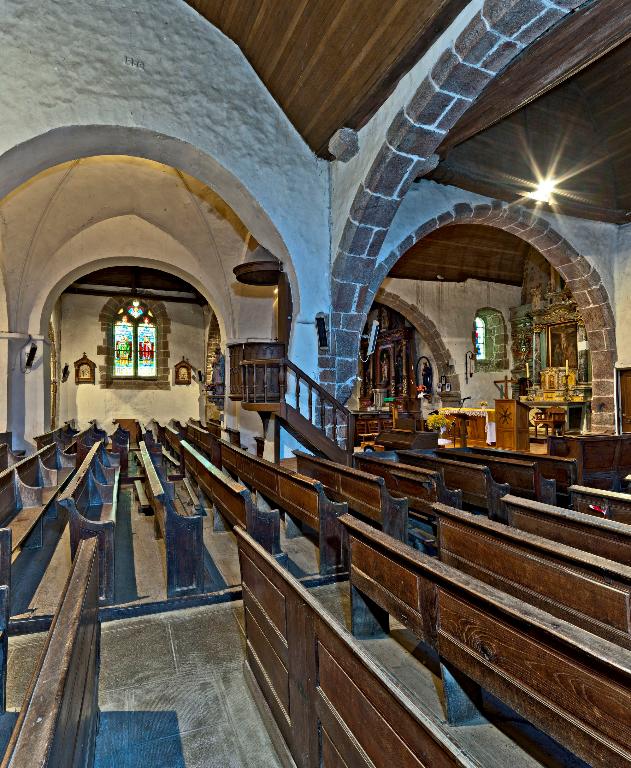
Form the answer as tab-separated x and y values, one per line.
171	692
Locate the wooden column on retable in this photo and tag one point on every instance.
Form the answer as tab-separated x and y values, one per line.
511	425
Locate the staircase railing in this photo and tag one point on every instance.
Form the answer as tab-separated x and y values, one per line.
279	381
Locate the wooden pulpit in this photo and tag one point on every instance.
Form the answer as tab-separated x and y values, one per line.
511	425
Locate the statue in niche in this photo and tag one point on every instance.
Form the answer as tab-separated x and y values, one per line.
219	368
384	369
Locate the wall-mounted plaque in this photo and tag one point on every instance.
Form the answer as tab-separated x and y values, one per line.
84	370
183	371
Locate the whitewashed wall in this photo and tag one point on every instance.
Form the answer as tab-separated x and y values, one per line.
81	332
452	307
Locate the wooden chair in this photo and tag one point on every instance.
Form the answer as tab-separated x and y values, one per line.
551	419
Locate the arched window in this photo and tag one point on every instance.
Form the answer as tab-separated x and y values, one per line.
480	338
135	342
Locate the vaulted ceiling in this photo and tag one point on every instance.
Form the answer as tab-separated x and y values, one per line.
460	252
330	64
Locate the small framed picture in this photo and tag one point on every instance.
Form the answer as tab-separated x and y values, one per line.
448	387
439	387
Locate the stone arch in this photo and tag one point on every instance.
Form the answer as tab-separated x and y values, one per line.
40	153
430	335
582	279
496	340
107	316
493	37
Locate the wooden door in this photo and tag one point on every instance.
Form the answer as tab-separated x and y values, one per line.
625	400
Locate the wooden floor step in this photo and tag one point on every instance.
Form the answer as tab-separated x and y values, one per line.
143	501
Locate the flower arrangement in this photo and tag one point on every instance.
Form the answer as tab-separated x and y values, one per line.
436	422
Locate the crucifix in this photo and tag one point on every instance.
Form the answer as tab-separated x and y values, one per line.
502	385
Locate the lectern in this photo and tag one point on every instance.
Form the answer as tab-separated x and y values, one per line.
512	425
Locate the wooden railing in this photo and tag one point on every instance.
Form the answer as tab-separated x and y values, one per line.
272	381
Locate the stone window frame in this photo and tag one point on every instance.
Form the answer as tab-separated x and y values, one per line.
496	340
108	316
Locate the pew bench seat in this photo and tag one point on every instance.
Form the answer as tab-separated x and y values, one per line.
143	501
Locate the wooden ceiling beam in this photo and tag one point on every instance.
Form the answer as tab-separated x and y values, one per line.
577	41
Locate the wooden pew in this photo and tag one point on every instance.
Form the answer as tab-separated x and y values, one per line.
182	533
120	441
562	470
364	493
574	686
62	436
171	450
602	537
90	500
586	590
205	441
233	500
479	489
523	477
422	488
58	721
603	461
7	457
590	501
334	705
299	496
28	491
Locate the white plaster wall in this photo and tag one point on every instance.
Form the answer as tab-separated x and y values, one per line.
195	104
452	308
596	241
346	177
81	332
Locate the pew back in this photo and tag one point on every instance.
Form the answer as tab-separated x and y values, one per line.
334	706
586	590
602	537
479	489
57	724
364	493
523	477
590	501
569	683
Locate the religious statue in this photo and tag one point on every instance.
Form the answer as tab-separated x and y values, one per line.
219	368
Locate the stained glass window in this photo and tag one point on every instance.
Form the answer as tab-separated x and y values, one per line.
135	342
135	310
480	339
123	349
146	349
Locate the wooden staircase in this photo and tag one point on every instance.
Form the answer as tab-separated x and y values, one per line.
308	412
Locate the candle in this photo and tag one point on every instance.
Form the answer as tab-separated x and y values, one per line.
567	368
527	371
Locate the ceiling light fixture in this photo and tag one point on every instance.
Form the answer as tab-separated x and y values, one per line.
543	191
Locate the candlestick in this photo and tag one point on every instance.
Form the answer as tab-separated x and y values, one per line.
567	368
527	371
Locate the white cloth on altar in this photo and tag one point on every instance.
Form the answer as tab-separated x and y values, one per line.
491	432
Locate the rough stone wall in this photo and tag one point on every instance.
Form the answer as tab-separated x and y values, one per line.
489	42
581	277
496	341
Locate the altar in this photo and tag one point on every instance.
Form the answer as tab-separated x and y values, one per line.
552	365
480	424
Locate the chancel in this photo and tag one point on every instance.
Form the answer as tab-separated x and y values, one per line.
343	475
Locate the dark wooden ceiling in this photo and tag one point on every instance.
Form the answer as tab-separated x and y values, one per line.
137	280
330	63
463	251
579	133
